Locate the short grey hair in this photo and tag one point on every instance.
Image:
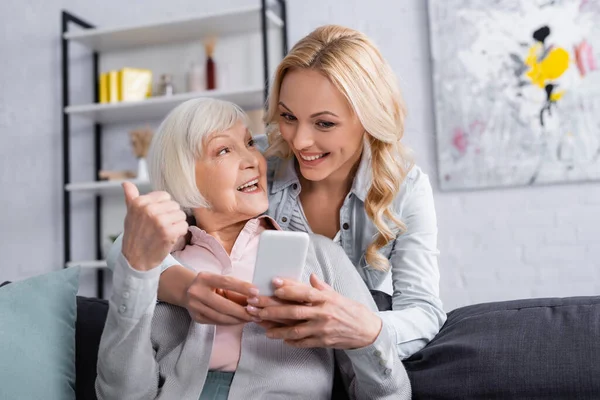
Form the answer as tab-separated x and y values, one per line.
178	143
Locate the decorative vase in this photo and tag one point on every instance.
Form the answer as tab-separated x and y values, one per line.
211	79
211	71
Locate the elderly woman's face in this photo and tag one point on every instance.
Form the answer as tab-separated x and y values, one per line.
231	174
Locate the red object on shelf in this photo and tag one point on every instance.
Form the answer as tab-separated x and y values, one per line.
211	81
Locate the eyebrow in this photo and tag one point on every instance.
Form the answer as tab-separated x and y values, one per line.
222	135
313	115
217	136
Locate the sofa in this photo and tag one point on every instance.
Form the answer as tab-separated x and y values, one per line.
524	349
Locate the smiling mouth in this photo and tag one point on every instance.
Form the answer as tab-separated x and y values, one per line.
313	158
249	186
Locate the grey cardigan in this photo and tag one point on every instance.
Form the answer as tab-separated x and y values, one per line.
151	350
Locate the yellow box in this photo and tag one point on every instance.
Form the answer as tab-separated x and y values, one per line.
103	90
135	84
114	95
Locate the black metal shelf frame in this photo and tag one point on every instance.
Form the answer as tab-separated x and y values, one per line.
68	18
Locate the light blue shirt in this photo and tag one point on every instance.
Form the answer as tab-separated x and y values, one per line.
413	279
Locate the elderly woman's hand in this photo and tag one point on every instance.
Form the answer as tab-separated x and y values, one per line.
326	319
153	224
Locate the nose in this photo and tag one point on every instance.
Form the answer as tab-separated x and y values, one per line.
303	137
250	158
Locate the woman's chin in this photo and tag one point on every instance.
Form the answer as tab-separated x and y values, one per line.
256	207
314	174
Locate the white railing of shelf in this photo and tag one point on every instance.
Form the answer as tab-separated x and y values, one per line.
87	264
104	185
105	39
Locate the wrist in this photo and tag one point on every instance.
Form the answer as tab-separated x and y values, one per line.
373	329
137	263
174	285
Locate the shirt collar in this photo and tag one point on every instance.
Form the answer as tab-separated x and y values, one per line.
363	179
199	236
286	175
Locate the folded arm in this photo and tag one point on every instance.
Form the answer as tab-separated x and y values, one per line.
174	278
209	298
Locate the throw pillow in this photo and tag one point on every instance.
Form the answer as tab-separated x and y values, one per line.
37	336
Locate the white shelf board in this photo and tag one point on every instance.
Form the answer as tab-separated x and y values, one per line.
106	186
88	264
159	107
215	24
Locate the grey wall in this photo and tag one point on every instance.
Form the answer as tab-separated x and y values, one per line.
497	244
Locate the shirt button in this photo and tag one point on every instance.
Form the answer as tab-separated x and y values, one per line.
284	219
382	363
122	309
387	371
295	186
345	226
377	353
126	295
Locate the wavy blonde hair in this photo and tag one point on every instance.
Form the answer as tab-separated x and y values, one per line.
357	69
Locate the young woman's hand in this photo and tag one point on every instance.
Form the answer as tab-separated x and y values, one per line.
326	319
219	299
255	304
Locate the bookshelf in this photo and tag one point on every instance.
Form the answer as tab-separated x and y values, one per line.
261	18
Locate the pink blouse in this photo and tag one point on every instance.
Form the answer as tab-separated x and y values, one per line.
205	254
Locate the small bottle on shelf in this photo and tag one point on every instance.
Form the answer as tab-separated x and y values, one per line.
211	73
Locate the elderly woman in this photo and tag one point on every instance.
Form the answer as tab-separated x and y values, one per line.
204	159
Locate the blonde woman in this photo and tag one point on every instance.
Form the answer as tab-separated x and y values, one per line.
203	159
335	123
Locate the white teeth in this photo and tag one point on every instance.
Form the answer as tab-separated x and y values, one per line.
249	189
312	158
245	185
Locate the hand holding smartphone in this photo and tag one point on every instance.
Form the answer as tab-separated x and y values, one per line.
280	254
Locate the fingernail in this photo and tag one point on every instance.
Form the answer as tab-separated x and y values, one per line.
270	335
252	309
253	300
256	319
254	292
278	281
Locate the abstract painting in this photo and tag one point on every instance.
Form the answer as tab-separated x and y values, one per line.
516	91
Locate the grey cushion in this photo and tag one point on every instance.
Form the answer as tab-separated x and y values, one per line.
525	349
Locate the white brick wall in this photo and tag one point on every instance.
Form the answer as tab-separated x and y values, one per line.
495	244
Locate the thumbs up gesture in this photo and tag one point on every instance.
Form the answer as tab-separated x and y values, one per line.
153	224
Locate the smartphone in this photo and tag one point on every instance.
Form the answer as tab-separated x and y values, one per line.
280	254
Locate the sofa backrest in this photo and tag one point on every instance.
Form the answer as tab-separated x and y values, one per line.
526	349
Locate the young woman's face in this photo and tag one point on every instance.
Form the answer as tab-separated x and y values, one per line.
319	125
231	174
